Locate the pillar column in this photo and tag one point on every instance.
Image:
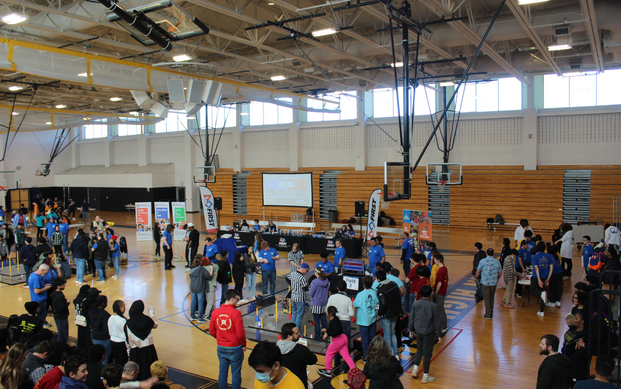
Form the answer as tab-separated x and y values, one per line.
189	162
295	149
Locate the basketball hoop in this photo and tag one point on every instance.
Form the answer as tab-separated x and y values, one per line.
441	185
3	188
385	204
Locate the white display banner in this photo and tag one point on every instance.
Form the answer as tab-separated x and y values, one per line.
179	219
143	221
373	215
162	214
211	220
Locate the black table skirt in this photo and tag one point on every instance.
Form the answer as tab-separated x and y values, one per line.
308	244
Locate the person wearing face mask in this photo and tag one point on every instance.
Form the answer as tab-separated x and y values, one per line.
266	360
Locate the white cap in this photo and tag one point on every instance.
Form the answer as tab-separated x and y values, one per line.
190	224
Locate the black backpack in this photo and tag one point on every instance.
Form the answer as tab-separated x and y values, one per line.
499	219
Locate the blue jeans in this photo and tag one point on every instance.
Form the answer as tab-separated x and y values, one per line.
28	270
197	298
251	284
62	326
297	313
80	268
269	276
101	269
85	217
388	327
367	334
107	346
65	243
117	265
233	357
225	287
43	310
319	318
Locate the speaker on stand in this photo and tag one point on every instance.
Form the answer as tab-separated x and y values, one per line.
217	205
359	213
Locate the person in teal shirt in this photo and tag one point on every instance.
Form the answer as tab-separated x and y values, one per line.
366	315
40	225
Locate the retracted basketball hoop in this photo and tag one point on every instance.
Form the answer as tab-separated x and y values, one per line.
441	185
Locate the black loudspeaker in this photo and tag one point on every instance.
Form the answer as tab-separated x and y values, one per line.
359	208
217	203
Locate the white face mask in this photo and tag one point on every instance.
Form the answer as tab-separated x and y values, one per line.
263	377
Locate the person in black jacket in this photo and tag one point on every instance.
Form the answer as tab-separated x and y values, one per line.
28	255
157	238
100	255
295	356
191	247
340	342
96	355
98	321
389	298
480	254
555	372
60	308
239	272
224	273
382	368
79	249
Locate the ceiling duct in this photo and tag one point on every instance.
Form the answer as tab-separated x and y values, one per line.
563	34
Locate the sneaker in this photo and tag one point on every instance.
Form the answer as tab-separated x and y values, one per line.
46	325
415	371
487	318
325	373
73	218
509	306
25	287
519	295
242	301
101	280
201	322
115	277
540	314
427	379
557	304
444	331
398	359
550	304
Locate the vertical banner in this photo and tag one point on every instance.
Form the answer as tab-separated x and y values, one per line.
162	214
178	211
373	214
143	221
425	226
211	220
418	225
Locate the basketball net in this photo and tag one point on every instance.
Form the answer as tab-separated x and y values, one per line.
385	204
441	185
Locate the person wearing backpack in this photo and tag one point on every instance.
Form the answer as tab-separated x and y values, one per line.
199	284
224	273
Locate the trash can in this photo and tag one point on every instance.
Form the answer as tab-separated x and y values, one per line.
333	216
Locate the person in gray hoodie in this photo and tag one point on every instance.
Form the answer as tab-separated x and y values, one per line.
318	291
199	284
295	357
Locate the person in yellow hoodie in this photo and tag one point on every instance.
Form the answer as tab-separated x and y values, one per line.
266	360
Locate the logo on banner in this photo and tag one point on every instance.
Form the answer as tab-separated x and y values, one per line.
372	216
330	244
209	209
237	238
282	242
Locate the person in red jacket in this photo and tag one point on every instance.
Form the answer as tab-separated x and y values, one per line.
228	328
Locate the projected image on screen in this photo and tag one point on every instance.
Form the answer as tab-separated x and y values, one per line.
288	190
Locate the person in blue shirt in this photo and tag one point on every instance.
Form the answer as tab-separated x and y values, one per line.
64	228
376	255
339	252
115	253
542	268
556	279
522	262
387	267
210	250
326	265
256	226
350	230
38	290
366	315
268	257
167	239
587	251
489	271
431	247
50	227
407	249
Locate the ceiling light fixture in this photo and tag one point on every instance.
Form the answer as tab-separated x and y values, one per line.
84	74
524	2
14	113
324	32
559	47
181	58
447	83
115	99
191	117
270	3
244	113
278	78
84	118
48	123
13	18
15	88
61	106
397	65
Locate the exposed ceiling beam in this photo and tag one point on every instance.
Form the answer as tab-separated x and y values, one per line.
439	9
530	31
588	10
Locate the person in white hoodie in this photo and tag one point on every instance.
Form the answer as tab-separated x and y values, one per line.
567	249
295	356
612	236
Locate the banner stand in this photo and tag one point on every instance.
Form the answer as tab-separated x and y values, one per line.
211	219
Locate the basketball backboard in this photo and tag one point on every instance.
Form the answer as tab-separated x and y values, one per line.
397	181
8	179
204	174
444	174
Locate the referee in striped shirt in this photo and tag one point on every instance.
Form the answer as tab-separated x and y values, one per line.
298	285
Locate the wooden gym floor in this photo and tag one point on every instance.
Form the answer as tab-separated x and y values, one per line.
501	353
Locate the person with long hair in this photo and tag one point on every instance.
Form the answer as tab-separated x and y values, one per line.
11	375
506	249
98	319
382	368
84	333
566	251
157	237
116	328
167	239
556	278
258	239
239	271
199	284
319	293
251	268
339	342
140	339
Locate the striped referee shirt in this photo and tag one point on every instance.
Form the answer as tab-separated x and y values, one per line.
298	283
